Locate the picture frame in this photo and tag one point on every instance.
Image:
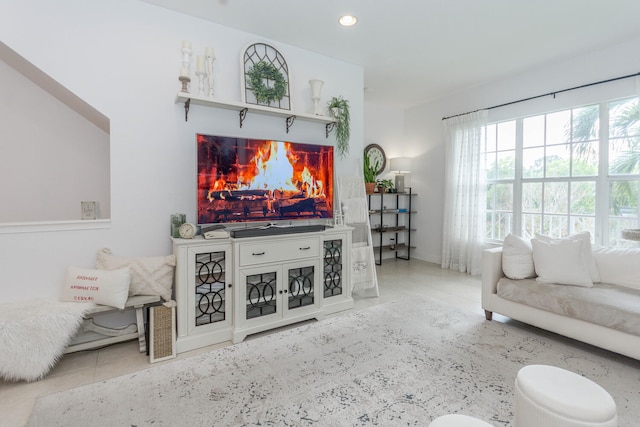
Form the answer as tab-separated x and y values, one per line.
88	211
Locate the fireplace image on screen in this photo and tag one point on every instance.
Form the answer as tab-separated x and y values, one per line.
253	180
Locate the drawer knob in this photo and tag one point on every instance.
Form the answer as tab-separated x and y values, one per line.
257	253
305	248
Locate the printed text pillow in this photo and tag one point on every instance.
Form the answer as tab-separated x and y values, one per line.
98	286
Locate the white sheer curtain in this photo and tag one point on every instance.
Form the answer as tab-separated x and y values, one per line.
465	193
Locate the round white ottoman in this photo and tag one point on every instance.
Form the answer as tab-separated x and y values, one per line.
455	420
547	396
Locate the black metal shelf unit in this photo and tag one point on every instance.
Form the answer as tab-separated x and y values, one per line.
394	227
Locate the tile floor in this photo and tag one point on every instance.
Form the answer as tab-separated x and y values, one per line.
397	279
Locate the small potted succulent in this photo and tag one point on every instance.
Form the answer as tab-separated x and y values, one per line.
384	185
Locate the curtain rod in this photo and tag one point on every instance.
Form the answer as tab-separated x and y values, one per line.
554	93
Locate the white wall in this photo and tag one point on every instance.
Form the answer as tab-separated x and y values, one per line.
424	130
385	126
123	58
51	157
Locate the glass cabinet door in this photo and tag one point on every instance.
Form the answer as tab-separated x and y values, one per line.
210	287
332	269
261	294
301	287
279	291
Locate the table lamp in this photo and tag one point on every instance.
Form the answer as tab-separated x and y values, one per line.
400	166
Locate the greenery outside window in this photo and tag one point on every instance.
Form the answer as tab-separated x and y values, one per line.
564	172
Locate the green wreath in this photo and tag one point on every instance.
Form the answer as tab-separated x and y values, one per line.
261	71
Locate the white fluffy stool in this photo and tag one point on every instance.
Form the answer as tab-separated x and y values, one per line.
455	420
547	396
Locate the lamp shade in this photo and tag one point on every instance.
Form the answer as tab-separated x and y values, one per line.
400	165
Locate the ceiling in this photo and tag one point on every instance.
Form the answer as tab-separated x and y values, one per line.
413	51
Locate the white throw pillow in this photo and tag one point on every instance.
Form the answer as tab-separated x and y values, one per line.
98	286
149	275
561	262
619	266
585	237
517	258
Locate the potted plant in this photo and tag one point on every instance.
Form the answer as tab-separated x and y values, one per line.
339	110
385	185
370	174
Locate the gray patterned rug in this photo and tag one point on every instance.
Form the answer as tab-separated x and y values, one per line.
400	363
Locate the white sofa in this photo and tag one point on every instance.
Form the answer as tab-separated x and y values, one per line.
609	316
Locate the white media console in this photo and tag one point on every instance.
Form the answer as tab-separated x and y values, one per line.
229	288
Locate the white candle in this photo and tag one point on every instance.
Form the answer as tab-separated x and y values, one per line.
186	44
200	64
184	72
209	51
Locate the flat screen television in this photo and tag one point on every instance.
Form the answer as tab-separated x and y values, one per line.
242	180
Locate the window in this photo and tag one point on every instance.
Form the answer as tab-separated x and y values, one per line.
623	168
564	172
500	162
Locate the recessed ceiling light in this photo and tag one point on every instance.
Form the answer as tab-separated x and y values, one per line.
348	20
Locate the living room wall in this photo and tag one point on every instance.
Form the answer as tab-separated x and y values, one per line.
423	129
123	58
46	146
384	126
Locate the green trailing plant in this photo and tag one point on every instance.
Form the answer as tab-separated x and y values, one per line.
339	110
264	94
370	170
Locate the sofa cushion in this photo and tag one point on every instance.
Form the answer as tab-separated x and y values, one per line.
584	237
517	258
619	266
560	262
611	306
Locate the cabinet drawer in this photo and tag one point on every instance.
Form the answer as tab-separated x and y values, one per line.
284	250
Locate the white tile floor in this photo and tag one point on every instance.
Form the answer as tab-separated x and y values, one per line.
397	279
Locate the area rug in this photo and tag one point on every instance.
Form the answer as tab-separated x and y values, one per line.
33	335
399	363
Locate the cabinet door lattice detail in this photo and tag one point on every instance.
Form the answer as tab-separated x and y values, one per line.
301	287
332	268
210	288
261	294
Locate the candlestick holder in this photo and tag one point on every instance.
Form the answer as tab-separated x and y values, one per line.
186	57
185	83
201	75
209	64
186	65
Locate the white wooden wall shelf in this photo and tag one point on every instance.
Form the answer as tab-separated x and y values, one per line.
243	109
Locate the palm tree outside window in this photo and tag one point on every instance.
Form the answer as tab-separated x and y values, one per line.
564	172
